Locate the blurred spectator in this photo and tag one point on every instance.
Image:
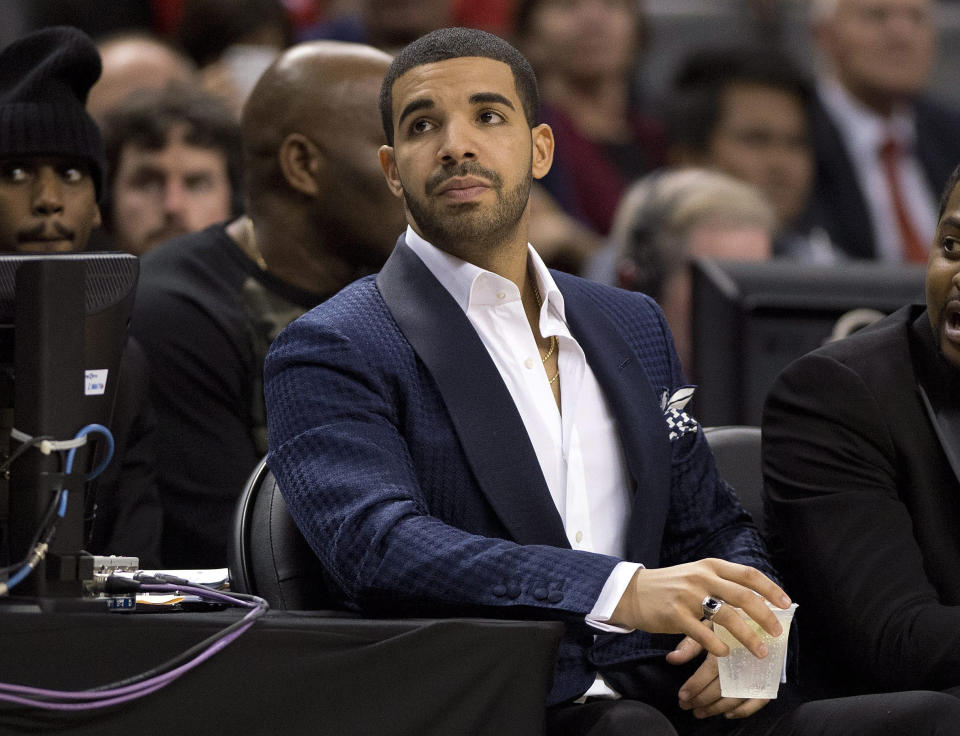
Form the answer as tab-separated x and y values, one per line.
386	24
667	219
209	304
131	61
174	154
233	43
744	111
884	149
586	53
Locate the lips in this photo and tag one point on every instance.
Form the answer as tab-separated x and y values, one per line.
462	187
951	321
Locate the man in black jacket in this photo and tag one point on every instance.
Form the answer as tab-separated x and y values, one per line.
861	455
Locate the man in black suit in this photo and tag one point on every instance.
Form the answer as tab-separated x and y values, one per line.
861	458
875	132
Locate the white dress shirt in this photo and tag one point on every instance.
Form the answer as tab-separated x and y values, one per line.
863	132
578	446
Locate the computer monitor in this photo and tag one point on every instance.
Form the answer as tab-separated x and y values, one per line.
751	319
63	327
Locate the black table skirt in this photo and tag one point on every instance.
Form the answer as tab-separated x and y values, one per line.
292	673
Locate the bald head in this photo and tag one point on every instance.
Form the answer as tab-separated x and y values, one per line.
135	61
311	131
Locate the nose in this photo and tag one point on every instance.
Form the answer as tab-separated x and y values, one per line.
174	198
457	142
47	193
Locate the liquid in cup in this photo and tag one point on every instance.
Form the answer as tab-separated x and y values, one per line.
744	676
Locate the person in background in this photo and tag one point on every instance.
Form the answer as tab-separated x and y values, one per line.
883	146
174	157
135	60
670	218
586	54
745	111
232	43
861	461
52	171
210	303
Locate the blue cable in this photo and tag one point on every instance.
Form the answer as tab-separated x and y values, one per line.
18	576
107	435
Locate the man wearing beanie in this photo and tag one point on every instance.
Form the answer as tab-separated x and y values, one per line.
51	176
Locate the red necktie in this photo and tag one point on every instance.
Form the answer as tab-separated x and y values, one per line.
914	249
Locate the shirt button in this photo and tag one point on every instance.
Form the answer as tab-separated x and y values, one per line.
579	537
528	363
501	295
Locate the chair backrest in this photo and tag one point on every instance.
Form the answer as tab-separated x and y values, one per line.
736	449
268	555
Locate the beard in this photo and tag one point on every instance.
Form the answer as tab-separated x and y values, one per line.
469	223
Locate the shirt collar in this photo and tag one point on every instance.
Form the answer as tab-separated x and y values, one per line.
471	285
862	128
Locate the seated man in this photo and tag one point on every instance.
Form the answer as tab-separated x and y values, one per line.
51	174
209	303
470	433
862	474
174	157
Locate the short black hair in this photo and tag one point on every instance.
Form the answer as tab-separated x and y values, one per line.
148	116
948	188
457	43
696	97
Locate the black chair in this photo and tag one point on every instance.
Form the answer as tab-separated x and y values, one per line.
736	449
268	555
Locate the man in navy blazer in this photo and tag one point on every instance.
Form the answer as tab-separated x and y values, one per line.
422	442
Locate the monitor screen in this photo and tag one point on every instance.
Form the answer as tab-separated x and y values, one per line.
751	319
63	327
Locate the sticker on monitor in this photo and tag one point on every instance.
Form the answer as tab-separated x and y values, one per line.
95	382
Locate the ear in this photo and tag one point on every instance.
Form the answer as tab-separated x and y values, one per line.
300	162
388	162
542	137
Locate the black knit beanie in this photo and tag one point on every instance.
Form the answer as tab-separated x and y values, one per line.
44	80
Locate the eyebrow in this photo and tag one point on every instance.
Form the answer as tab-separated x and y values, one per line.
482	97
951	220
425	103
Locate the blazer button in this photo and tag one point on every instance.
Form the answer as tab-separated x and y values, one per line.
555	596
513	591
499	590
540	594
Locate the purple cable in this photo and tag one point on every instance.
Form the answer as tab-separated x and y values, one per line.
104	698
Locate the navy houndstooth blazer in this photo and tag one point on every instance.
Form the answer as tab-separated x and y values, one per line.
406	464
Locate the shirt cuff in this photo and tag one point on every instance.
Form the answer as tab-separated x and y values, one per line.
610	596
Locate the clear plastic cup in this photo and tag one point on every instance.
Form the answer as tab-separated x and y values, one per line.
744	676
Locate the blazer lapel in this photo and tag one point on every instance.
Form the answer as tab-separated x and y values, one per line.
946	424
633	402
484	416
935	382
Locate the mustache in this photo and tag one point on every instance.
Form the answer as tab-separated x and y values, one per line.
466	168
46	231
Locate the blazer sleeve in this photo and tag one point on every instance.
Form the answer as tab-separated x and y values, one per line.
845	538
337	447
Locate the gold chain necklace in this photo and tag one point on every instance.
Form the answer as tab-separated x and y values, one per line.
553	338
